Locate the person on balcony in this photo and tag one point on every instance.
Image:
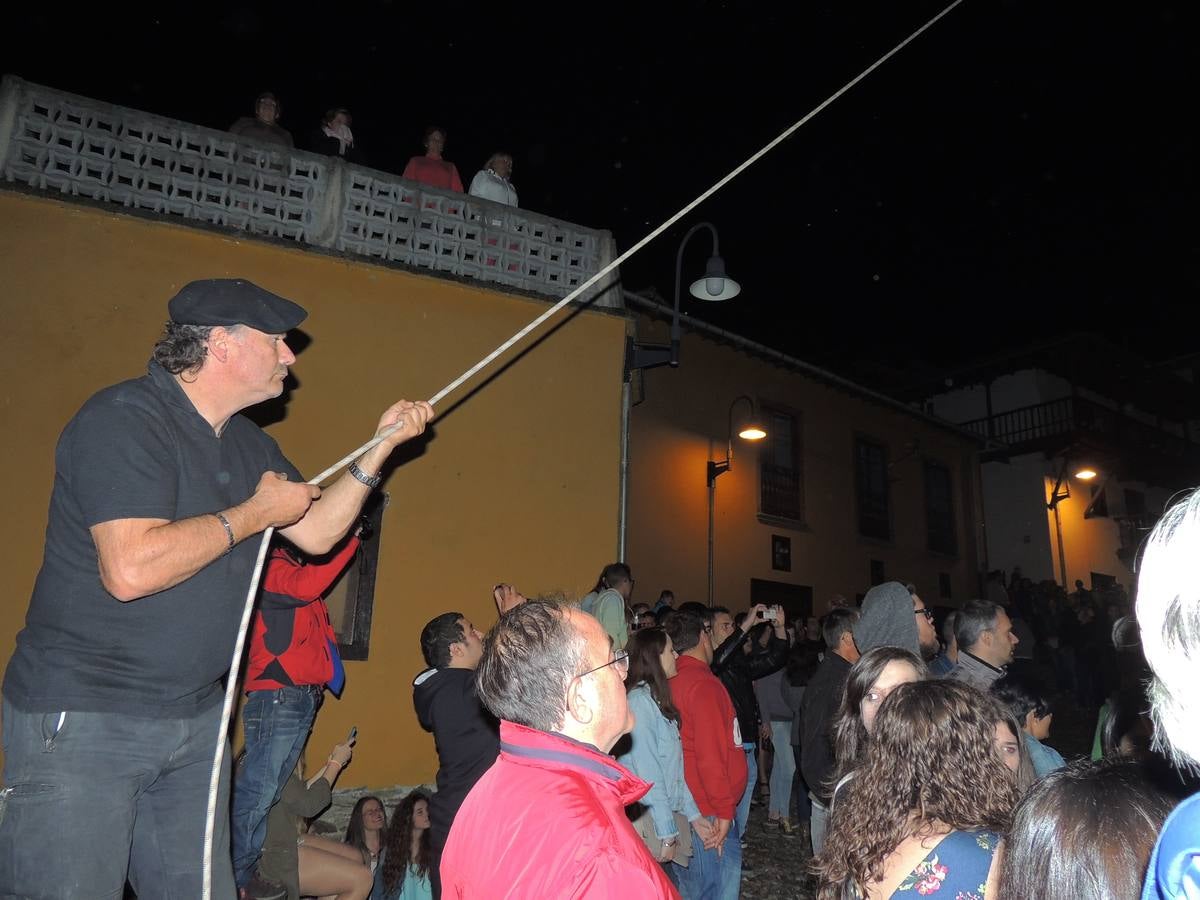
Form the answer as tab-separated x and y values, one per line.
333	137
492	181
263	127
431	169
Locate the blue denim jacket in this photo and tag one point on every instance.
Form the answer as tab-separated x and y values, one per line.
656	756
1045	759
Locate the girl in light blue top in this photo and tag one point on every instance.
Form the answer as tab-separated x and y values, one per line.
656	754
403	870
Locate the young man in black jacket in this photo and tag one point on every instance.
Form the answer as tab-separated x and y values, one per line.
738	670
466	735
817	709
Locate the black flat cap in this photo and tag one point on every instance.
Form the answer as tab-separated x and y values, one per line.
234	301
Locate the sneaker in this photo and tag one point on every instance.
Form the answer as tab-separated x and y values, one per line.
261	888
771	825
787	829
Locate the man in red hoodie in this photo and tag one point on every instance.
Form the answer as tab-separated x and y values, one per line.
547	820
714	763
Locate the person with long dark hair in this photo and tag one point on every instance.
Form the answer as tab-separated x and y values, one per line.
1011	748
403	873
1084	832
656	754
366	828
927	806
877	673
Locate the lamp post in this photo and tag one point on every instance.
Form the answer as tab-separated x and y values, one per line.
750	431
714	287
1060	492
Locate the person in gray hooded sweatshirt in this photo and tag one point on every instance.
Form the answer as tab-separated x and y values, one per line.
892	616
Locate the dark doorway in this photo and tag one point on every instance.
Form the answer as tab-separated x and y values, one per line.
796	599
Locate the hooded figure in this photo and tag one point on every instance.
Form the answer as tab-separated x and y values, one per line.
887	619
467	738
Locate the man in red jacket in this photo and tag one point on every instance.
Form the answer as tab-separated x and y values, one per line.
714	763
548	818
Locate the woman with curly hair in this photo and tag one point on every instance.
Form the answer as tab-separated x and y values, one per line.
877	673
928	804
403	873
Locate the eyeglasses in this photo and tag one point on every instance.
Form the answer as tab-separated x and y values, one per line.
620	660
927	613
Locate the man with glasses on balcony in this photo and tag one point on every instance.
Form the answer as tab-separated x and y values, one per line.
548	819
264	126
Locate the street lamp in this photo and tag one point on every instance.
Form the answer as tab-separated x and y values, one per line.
714	287
751	430
1062	491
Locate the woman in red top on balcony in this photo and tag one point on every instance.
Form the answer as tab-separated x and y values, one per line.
431	169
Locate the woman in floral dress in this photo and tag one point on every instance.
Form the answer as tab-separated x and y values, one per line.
925	811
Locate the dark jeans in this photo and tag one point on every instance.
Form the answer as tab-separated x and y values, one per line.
800	799
93	798
276	724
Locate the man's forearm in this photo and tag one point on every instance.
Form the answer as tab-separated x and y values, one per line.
139	557
328	520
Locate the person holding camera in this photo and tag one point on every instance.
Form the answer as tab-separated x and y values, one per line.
309	865
738	671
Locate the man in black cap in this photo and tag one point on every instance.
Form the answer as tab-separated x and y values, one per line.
111	701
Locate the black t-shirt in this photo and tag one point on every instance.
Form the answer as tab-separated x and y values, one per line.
138	450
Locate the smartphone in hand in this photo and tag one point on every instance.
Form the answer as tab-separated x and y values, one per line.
353	735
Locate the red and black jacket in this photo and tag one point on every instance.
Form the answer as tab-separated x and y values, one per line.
289	643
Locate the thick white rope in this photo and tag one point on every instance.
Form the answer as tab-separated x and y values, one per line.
232	684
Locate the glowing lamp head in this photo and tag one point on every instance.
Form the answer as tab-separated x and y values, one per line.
1085	474
752	433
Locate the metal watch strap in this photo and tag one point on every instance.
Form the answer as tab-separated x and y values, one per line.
371	481
228	530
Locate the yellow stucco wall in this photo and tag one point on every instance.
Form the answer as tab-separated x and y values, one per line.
518	483
1089	545
683	421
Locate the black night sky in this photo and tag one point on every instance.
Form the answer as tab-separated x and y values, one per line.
1023	170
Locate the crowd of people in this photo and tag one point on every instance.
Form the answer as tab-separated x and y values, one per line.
332	136
596	748
906	760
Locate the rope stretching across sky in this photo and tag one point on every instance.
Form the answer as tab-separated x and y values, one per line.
232	681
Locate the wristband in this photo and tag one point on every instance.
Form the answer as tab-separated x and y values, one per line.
371	481
228	530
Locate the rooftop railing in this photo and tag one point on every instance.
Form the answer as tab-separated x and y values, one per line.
62	143
1074	415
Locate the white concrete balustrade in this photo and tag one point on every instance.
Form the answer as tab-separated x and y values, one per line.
62	143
